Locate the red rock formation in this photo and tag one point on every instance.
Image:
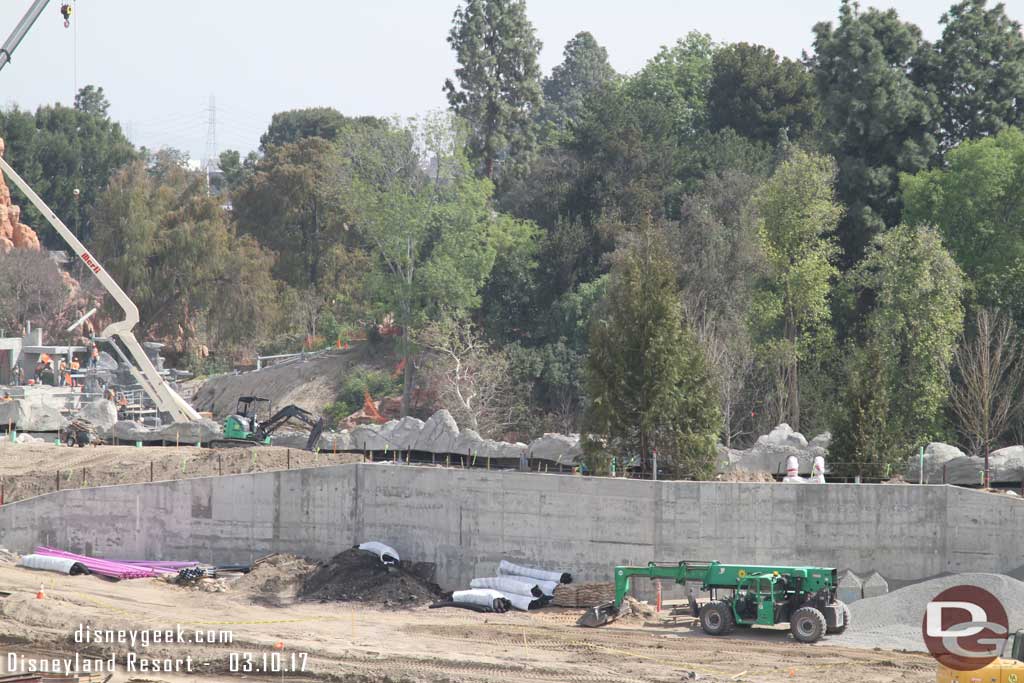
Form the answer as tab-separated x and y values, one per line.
13	233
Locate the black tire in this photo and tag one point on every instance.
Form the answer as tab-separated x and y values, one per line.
846	619
716	618
807	625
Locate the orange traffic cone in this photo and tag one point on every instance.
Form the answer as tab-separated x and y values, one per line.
40	595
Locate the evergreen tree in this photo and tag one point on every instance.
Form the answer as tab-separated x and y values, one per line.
977	70
498	91
648	385
877	121
583	71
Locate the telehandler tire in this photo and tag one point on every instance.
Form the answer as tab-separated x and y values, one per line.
716	618
846	619
807	625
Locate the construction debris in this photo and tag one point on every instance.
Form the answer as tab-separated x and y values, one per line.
358	576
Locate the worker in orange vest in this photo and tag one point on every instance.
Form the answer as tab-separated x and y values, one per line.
62	373
75	366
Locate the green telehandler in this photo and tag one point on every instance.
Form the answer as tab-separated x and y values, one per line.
804	597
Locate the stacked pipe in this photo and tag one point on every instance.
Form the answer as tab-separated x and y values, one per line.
108	568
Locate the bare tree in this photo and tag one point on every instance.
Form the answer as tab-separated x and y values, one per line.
472	381
32	288
988	379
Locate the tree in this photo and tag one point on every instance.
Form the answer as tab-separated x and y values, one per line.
898	369
648	386
173	250
32	289
433	236
498	91
679	77
975	204
988	383
292	204
60	149
799	214
235	170
315	122
877	122
716	249
473	381
977	70
584	70
756	94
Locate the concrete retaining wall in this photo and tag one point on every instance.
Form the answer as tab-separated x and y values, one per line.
467	520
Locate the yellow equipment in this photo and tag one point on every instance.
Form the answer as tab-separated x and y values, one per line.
1003	670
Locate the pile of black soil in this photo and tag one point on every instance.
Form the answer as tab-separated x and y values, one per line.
358	576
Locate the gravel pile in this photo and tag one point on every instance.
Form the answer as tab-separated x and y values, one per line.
893	621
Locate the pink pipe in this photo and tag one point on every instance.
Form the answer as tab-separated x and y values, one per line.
103	567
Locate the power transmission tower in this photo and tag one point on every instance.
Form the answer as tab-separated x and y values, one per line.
210	163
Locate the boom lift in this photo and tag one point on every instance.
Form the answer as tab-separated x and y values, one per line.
805	597
119	334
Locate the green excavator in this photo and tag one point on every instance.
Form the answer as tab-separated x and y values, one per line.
244	428
803	597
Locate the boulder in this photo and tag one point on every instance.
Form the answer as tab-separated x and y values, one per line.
202	431
100	413
368	438
402	434
14	413
936	455
823	440
334	441
129	430
469	442
783	435
43	417
557	448
440	433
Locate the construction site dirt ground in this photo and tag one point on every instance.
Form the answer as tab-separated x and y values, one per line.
359	642
30	470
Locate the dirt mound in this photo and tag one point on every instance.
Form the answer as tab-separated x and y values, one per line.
745	476
358	576
275	579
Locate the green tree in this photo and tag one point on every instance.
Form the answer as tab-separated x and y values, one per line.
498	92
975	204
756	94
791	314
434	238
315	122
680	77
60	149
977	70
877	122
897	378
648	385
583	71
174	251
292	204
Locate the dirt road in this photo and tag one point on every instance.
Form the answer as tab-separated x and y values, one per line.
355	642
32	469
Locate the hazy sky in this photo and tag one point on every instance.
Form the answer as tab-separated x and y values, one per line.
160	62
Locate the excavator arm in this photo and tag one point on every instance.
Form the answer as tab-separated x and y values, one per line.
316	425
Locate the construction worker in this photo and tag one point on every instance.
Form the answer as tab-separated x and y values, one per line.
7	397
94	356
62	373
75	367
19	375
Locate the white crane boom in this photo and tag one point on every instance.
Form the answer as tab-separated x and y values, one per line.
166	399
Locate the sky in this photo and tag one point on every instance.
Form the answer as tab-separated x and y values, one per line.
161	62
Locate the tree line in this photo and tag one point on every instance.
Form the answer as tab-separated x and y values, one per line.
722	241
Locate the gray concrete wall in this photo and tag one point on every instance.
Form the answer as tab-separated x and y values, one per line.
467	520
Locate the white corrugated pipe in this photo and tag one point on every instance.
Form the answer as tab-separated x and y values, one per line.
506	567
546	587
508	584
61	565
523	602
386	553
485	597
